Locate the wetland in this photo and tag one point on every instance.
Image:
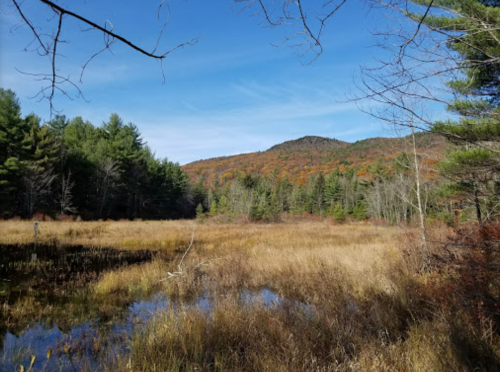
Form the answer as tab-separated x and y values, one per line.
301	295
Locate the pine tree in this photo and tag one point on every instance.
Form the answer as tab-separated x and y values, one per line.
476	162
472	171
58	125
14	148
273	210
257	207
38	174
359	211
224	205
213	208
298	200
200	215
333	189
101	172
43	145
338	213
317	194
199	192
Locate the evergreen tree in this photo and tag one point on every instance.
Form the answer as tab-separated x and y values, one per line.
333	189
298	200
43	145
476	162
317	194
257	207
200	214
199	192
58	125
70	165
475	172
224	205
213	208
338	213
14	148
274	208
359	211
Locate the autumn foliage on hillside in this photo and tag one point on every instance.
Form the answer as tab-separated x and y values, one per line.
303	158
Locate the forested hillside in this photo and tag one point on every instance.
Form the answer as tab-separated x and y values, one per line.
71	167
309	143
67	168
308	156
374	178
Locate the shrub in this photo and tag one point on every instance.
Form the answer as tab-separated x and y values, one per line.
64	218
200	215
38	216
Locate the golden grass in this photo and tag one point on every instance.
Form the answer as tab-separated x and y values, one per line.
262	338
252	255
167	235
155	235
134	279
229	257
368	309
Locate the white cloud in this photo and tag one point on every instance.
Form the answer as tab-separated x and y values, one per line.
272	115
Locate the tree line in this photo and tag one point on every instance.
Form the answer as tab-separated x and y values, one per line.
388	193
71	167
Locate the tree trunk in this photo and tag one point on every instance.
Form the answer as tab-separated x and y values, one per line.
419	200
478	207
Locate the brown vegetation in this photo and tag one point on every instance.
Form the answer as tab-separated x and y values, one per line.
344	297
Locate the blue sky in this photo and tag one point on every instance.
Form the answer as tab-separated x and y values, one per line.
232	92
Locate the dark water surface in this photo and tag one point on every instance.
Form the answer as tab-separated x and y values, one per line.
95	343
24	268
46	309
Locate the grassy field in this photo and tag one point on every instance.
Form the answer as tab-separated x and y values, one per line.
344	297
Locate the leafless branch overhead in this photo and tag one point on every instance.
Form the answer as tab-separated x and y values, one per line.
306	20
48	44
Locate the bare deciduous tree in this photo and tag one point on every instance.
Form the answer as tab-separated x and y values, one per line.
66	194
306	19
420	64
107	176
37	184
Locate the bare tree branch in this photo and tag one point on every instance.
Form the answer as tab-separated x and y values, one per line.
293	14
32	28
63	11
110	37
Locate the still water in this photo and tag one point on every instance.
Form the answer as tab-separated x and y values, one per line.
49	320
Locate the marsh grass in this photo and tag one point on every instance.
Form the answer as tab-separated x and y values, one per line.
352	297
369	307
137	279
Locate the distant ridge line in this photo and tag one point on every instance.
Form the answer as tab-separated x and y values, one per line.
309	143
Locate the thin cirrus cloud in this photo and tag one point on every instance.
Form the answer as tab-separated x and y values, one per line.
231	93
256	127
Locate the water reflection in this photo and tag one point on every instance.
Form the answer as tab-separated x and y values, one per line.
87	346
44	303
47	310
58	266
94	343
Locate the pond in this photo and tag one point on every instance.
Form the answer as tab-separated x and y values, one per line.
22	268
49	320
45	307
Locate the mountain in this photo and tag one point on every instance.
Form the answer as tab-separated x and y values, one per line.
309	143
301	158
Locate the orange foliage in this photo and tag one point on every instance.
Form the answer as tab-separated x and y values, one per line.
300	165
